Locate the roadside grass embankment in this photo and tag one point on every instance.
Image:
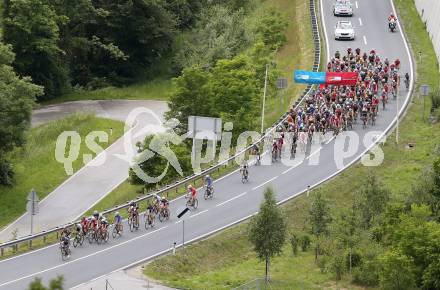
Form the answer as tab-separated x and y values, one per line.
227	259
35	165
158	89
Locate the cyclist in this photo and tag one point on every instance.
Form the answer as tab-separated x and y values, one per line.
164	204
244	170
208	184
96	220
256	151
133	210
118	222
85	224
407	80
65	240
192	192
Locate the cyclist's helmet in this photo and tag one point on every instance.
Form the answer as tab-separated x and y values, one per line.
189	186
117	213
207	176
95	212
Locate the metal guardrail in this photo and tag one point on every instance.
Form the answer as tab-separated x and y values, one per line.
187	180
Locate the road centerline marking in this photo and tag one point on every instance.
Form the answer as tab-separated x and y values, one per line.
360	21
231	199
357	5
270	180
199	213
365	40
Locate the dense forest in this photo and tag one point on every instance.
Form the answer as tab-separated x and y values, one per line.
94	43
214	49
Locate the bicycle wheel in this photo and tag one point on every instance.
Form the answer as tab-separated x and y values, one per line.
132	227
206	195
195	203
75	242
162	217
106	236
90	236
114	232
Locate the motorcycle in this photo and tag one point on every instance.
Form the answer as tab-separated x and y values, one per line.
392	25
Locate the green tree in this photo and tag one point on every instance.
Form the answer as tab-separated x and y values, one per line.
372	200
32	27
270	29
418	237
397	271
320	218
17	96
267	230
236	93
346	230
220	33
54	284
156	165
192	96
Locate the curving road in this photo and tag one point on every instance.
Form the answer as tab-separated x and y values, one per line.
234	201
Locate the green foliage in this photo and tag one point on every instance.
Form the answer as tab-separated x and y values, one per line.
192	96
220	33
367	273
337	264
54	284
32	27
236	93
305	242
156	165
267	230
372	200
418	238
294	242
435	99
397	271
17	97
270	29
319	215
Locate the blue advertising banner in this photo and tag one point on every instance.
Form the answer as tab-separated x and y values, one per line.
309	77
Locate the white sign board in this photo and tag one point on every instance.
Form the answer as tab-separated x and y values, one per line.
204	128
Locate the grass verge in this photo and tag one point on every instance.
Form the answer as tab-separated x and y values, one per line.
158	89
227	260
35	165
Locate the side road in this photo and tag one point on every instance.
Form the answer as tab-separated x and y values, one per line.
100	176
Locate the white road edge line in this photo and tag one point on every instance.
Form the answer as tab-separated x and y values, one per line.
266	182
199	213
231	199
365	40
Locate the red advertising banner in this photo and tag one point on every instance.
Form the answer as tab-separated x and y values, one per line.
341	78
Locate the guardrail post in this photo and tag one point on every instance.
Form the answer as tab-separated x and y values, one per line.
2	251
44	239
30	244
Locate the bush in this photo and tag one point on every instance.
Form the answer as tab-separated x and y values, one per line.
435	100
6	173
337	265
305	242
367	273
294	244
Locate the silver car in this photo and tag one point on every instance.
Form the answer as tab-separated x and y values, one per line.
344	30
343	9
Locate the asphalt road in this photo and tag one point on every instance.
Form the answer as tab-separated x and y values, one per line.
98	177
234	201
